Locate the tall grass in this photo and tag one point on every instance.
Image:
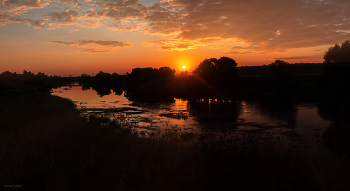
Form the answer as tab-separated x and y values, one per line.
46	145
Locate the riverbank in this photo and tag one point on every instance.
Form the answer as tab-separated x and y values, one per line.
47	145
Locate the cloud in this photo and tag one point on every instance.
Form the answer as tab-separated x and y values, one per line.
54	20
98	45
294	58
119	10
96	50
18	6
267	25
234	26
172	44
66	16
124	15
11	10
33	55
163	18
240	52
186	44
126	26
68	2
73	30
126	29
38	24
5	19
70	17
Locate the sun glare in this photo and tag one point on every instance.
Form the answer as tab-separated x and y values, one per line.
183	67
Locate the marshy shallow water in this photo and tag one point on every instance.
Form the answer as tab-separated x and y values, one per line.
288	121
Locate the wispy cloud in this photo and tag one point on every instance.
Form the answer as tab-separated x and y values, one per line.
66	16
182	44
20	42
99	46
33	55
17	6
293	58
6	19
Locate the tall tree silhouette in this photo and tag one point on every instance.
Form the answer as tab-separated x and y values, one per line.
103	78
281	68
166	74
227	72
336	66
141	76
338	53
206	69
282	73
9	77
217	72
337	60
150	77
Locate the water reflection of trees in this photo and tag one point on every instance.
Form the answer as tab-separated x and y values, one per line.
148	97
104	90
281	111
117	90
337	136
85	87
215	111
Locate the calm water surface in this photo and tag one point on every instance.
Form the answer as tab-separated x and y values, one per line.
286	120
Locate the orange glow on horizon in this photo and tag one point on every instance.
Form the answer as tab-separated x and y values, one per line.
61	62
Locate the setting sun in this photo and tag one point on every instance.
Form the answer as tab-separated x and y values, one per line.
184	67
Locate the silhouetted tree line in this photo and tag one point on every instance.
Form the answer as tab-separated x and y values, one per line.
101	78
297	68
148	84
28	81
103	83
140	79
144	77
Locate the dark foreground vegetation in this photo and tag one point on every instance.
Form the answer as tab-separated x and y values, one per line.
46	145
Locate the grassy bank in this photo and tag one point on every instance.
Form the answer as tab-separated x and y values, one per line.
46	145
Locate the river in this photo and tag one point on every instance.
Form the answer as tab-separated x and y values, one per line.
289	121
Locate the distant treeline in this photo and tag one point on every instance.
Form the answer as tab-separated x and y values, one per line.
28	81
297	68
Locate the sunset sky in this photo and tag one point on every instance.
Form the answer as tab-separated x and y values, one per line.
71	37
